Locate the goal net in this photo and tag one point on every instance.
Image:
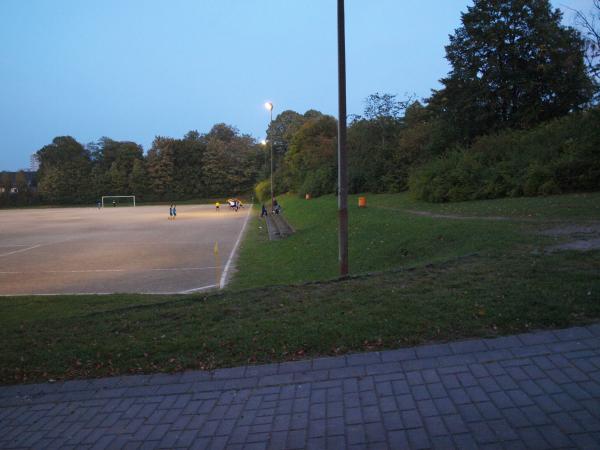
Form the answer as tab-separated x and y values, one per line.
118	200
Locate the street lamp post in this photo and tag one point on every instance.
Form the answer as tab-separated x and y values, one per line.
342	154
269	106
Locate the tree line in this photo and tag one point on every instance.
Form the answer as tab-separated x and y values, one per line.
516	115
220	162
515	72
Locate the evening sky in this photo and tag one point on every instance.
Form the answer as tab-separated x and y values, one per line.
134	69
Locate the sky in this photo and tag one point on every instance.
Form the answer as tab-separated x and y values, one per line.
135	69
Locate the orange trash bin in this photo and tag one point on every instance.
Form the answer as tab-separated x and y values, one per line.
362	202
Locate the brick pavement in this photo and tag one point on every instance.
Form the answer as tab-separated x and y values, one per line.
537	390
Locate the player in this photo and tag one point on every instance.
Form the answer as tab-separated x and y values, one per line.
217	206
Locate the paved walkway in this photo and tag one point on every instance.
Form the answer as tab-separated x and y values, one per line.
539	390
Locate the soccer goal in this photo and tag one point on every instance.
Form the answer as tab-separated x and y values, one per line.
118	200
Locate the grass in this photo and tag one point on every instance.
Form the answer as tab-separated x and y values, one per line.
433	280
382	236
581	206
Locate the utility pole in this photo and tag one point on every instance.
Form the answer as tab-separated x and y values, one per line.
342	152
269	106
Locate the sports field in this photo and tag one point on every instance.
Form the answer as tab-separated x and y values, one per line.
124	249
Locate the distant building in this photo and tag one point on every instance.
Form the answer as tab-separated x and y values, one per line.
30	176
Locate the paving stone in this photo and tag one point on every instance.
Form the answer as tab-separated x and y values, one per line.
529	391
295	366
402	354
450	381
469	413
363	359
384	389
427	408
471	346
328	363
418	438
587	420
375	432
316	428
388	404
444	406
411	419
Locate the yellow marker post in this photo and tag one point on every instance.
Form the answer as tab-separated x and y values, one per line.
217	263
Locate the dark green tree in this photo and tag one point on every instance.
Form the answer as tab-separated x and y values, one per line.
310	163
231	161
24	195
281	130
590	24
160	166
188	155
372	140
5	186
64	174
138	179
513	65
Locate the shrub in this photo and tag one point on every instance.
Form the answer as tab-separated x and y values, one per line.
318	182
263	190
559	156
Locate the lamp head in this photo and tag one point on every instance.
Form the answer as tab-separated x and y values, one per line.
269	106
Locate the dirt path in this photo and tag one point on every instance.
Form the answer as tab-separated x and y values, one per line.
488	218
584	237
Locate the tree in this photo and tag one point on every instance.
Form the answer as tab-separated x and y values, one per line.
282	128
513	65
231	161
371	141
64	174
281	131
22	185
160	165
5	185
188	155
591	28
311	160
138	179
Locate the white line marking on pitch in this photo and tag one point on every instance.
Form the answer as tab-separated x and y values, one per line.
189	291
21	250
233	250
203	288
175	269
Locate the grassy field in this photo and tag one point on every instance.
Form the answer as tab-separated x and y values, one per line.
387	234
581	206
432	279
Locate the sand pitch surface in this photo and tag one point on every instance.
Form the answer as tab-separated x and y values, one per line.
124	249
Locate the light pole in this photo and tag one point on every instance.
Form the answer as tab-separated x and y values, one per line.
269	106
342	154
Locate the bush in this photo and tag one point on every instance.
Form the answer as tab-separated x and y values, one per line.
318	182
559	156
263	190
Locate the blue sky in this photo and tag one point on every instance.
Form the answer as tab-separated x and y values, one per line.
134	69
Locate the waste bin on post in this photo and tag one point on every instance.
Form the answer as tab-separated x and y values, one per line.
362	202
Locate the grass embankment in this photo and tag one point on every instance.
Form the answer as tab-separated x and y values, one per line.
488	278
389	234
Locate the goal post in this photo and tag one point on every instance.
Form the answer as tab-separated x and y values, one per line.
117	199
